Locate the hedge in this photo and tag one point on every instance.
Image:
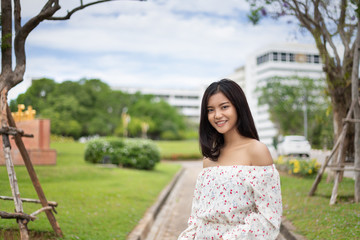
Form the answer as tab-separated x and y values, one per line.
130	153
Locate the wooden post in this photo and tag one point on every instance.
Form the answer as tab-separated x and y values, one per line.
33	176
338	173
14	186
338	141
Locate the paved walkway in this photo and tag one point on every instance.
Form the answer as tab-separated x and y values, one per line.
172	219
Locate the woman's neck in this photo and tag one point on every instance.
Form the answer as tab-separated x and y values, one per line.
234	138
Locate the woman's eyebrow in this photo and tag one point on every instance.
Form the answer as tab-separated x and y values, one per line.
223	103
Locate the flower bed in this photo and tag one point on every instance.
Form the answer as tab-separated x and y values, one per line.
297	166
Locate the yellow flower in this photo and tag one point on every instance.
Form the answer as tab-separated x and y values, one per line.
310	171
296	166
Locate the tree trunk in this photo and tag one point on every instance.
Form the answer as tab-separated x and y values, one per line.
355	97
341	102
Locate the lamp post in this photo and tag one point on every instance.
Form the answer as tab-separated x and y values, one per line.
125	121
305	117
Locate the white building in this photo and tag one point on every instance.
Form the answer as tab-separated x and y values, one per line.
186	101
282	60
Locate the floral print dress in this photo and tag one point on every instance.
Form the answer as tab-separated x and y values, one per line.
235	202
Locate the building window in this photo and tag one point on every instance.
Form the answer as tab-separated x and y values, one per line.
275	56
266	57
262	59
316	59
292	57
308	58
283	57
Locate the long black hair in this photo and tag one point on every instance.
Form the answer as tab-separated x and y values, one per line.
211	141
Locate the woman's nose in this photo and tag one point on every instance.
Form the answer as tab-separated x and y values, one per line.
217	114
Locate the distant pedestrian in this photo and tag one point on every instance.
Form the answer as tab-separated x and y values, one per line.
237	194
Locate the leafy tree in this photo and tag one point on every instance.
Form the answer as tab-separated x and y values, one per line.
36	95
92	108
163	116
286	98
331	24
335	27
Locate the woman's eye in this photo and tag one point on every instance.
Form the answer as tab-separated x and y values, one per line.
210	110
225	107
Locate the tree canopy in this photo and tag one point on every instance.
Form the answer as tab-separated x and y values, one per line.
286	98
333	26
90	107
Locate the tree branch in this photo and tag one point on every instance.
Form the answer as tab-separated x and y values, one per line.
22	33
82	6
50	203
18	215
41	210
6	36
17	15
341	25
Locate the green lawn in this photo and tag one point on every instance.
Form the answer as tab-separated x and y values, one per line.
94	202
313	217
106	203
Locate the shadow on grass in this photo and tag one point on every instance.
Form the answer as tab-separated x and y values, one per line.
340	198
14	234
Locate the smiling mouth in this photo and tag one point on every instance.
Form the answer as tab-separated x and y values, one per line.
220	123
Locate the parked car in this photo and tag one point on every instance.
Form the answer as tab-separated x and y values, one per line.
294	145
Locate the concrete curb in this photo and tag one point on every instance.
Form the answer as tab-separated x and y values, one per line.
142	229
286	230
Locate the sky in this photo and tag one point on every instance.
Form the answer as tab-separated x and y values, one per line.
176	44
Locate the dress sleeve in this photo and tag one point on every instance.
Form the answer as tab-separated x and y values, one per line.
190	231
264	222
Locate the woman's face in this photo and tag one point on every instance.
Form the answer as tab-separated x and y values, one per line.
221	113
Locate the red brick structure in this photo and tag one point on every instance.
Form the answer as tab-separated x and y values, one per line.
38	147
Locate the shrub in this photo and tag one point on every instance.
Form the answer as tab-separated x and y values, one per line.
131	153
300	167
96	150
139	154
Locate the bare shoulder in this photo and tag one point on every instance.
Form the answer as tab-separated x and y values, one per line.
259	154
208	163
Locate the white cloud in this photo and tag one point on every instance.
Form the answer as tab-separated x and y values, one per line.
155	43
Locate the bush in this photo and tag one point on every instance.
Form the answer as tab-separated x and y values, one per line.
139	154
131	153
96	150
300	167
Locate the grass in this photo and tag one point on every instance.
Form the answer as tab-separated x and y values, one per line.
94	202
313	217
106	203
188	149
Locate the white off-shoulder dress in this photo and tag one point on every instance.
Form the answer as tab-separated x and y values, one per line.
235	202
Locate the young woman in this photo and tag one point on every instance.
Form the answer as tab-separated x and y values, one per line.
237	194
